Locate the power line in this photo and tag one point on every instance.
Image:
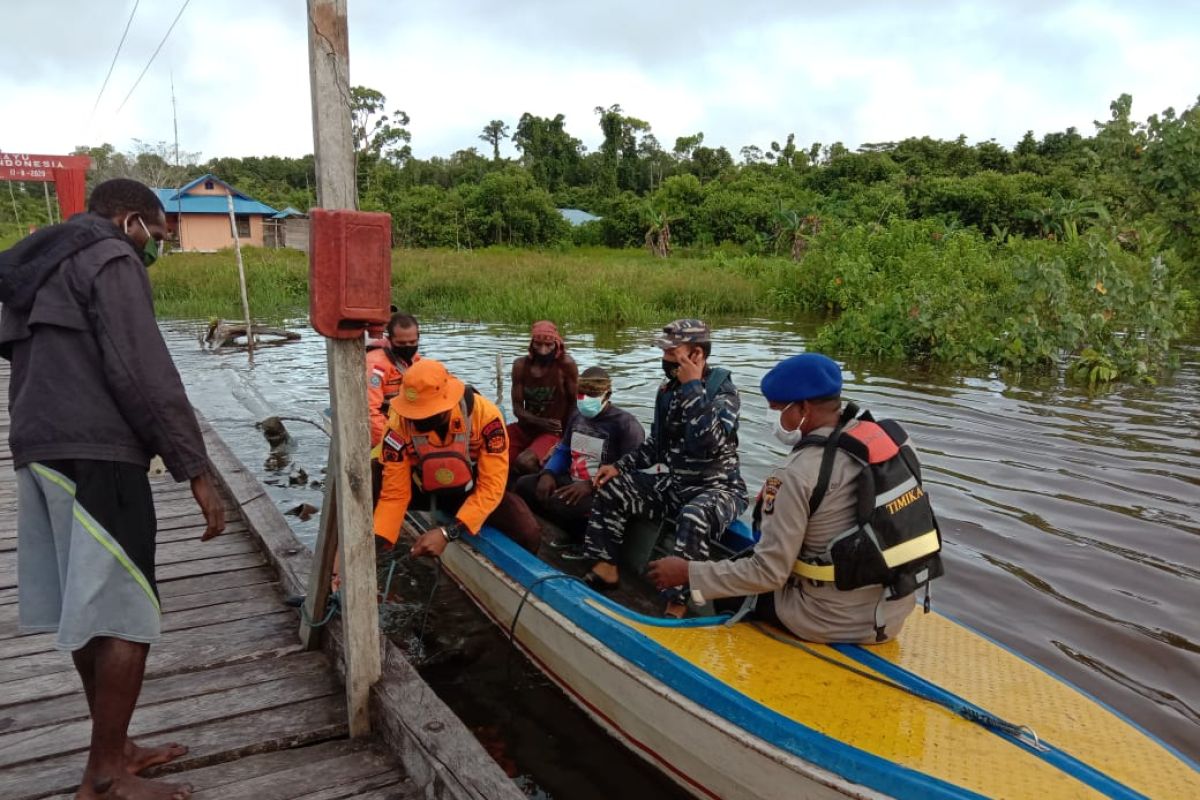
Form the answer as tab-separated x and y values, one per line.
154	55
120	44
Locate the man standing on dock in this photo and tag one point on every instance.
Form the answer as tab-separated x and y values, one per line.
92	396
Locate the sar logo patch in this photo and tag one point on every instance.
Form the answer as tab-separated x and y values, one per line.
444	476
376	381
393	447
770	490
495	439
411	394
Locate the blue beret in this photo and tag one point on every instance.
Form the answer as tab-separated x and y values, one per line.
802	377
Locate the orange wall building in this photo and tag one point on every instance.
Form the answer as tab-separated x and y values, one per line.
198	215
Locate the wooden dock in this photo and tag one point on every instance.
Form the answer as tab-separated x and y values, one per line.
263	718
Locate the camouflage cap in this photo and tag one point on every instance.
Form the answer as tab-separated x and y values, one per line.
684	331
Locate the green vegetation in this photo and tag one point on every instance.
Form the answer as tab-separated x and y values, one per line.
577	286
1069	251
204	285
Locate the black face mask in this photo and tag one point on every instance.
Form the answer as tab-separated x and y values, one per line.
405	353
670	369
543	359
431	423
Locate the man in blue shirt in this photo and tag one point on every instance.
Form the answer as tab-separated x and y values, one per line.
598	433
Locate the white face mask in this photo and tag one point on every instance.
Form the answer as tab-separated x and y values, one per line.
790	438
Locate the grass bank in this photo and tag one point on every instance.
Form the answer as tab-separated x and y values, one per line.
915	291
582	287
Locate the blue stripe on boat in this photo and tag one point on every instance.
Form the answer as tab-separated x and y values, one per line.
1066	762
567	598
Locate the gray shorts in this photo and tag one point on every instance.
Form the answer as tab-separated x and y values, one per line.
85	552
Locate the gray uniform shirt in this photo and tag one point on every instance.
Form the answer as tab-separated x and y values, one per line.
816	613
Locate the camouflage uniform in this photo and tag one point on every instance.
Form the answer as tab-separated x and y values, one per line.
687	468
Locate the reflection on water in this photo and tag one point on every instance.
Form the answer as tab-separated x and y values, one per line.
1072	521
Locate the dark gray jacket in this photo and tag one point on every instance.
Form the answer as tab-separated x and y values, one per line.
91	374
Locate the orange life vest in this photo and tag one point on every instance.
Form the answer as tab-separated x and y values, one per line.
442	467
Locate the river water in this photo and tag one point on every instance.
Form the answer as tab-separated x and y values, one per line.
1072	523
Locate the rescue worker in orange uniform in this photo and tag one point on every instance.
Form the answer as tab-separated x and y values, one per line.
387	360
446	446
386	366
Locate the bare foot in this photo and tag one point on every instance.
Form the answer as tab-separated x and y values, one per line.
131	787
139	759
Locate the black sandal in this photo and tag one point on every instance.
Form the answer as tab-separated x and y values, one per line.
594	581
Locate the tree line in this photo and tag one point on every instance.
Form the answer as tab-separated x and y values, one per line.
1138	180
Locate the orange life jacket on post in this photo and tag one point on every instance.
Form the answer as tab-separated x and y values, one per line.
444	467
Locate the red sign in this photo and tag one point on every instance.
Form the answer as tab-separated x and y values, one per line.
27	167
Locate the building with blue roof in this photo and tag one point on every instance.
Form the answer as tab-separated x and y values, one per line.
577	216
198	215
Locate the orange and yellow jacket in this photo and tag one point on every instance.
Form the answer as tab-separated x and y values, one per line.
488	448
384	377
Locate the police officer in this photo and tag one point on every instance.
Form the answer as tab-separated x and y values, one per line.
687	468
806	391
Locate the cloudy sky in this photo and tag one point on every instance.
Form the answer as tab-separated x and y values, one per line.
743	72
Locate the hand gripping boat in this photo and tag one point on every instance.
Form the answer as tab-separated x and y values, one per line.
747	711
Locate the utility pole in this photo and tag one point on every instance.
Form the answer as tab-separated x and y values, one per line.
348	471
175	119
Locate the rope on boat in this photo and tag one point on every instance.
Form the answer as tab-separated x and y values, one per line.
512	629
1022	733
332	606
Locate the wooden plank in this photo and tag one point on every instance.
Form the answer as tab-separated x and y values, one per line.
215	742
191	619
202	584
335	776
41	674
74	736
189	521
234	526
196	550
208	566
217	597
36	713
405	789
183	559
275	764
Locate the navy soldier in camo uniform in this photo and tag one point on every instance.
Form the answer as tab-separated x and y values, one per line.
688	467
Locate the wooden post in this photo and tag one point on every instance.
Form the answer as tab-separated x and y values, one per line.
237	246
13	197
323	558
49	208
499	380
349	464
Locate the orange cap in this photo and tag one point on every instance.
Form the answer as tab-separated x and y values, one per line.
428	389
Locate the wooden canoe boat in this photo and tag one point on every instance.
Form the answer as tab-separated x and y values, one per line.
745	711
